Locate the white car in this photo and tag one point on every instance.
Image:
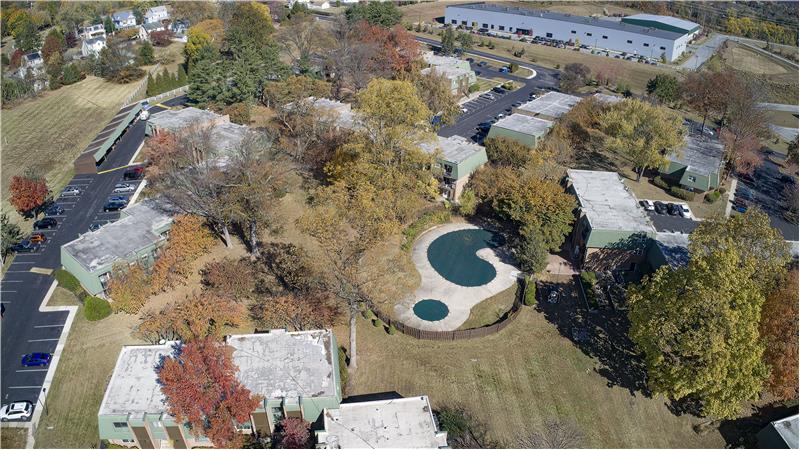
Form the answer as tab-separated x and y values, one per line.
123	188
553	297
685	211
16	411
71	190
648	205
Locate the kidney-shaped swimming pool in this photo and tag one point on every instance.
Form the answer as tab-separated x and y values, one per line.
454	256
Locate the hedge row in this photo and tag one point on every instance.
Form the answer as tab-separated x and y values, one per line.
658	181
682	194
530	292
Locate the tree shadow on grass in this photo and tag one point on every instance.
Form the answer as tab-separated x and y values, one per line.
741	433
602	335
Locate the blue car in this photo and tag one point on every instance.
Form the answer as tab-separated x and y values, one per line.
36	359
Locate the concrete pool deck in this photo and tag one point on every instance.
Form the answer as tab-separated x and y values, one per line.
459	299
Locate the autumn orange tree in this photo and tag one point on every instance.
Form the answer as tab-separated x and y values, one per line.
296	312
160	151
200	386
232	277
188	240
196	317
129	287
28	192
779	331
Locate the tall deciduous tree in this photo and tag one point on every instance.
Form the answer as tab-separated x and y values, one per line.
385	14
507	152
28	192
200	386
704	92
664	88
434	89
196	317
10	234
189	239
303	37
698	329
296	312
27	38
206	33
234	278
129	287
779	331
745	123
294	432
642	132
53	43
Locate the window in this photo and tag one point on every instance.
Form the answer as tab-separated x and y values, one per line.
121	425
691	179
486	25
605	37
629	41
127	440
662	48
464	22
502	27
492	27
588	34
549	35
454	22
573	32
646	44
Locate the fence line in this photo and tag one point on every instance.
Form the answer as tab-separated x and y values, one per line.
142	86
456	335
179	90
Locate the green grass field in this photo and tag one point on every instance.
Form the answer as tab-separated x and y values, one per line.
47	133
13	437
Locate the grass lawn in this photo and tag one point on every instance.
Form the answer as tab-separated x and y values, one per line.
634	74
783	118
13	437
490	310
487	83
170	56
428	11
779	80
516	379
49	132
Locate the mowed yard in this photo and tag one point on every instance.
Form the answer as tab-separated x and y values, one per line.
50	131
516	380
780	80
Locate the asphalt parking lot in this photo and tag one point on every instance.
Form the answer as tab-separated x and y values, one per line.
665	223
26	329
765	190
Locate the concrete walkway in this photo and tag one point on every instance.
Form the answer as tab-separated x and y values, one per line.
459	299
784	132
704	52
780	107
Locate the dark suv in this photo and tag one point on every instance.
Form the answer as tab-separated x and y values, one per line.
114	206
43	224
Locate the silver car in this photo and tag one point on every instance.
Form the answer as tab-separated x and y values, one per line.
71	190
16	411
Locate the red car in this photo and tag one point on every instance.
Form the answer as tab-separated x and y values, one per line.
38	238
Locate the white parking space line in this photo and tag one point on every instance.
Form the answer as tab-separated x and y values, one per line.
47	326
10	281
32	370
66	203
24	387
7	292
18	271
42	340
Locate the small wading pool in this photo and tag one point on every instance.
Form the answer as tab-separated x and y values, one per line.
454	256
431	310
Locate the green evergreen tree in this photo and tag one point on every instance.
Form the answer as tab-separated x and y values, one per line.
28	39
151	87
183	79
206	78
108	24
448	41
146	54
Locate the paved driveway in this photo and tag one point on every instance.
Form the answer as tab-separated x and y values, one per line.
703	52
766	191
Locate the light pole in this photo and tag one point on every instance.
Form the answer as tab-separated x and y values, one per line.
43	401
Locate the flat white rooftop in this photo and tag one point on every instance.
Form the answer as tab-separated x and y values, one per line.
607	203
454	149
552	104
397	423
282	364
175	120
134	387
342	112
522	123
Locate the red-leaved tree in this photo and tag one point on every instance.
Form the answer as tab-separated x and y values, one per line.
294	432
27	193
779	329
398	47
201	387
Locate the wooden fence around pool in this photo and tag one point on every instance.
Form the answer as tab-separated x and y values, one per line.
455	335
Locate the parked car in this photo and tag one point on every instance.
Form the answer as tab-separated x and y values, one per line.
113	206
16	411
43	224
38	238
25	246
647	205
71	190
553	297
118	198
673	209
482	63
94	227
484	125
516	104
660	207
471	59
54	210
36	359
123	188
133	173
745	193
744	176
499	90
740	207
685	211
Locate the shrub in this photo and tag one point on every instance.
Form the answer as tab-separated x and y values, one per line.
712	196
377	323
658	181
722	190
530	292
468	203
392	330
425	221
682	194
474	87
513	67
127	75
95	308
239	113
589	278
368	314
68	282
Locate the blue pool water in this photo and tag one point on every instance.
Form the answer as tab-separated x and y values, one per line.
453	256
431	310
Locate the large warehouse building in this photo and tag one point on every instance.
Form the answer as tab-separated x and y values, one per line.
640	34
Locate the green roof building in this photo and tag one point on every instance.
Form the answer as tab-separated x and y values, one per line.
666	23
135	238
698	165
522	128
